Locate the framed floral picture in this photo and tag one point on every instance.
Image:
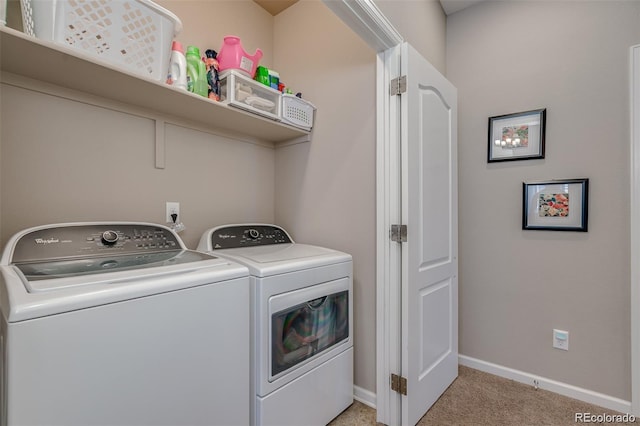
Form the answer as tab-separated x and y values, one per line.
555	205
518	136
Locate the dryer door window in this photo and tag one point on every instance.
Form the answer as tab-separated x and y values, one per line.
307	329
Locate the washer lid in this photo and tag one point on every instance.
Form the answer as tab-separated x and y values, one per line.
58	256
23	300
279	253
264	261
40	276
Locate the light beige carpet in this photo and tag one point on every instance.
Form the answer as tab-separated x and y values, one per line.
478	398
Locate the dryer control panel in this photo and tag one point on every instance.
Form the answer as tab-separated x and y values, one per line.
234	236
90	240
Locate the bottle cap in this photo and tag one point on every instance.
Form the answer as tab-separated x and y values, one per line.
193	50
176	45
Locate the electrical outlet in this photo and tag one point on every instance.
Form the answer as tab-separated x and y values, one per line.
172	208
561	339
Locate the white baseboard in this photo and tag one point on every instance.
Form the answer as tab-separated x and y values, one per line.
565	389
369	398
366	397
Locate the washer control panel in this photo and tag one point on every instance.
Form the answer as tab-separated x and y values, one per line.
234	236
73	241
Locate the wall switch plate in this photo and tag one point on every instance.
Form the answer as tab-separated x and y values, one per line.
172	208
561	339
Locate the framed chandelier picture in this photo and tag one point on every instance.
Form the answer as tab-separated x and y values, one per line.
518	136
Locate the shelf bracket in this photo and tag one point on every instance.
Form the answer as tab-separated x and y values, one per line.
160	144
294	141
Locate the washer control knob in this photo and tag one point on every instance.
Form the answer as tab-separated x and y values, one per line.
253	234
109	237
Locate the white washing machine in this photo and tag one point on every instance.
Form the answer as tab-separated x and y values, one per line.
120	324
302	323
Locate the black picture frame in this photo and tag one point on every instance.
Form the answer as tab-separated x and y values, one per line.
556	205
517	136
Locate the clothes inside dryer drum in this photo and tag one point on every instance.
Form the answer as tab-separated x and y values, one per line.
308	329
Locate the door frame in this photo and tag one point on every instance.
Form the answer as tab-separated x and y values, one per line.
388	253
366	20
634	83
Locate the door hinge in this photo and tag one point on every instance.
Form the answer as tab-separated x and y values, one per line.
399	233
398	85
399	384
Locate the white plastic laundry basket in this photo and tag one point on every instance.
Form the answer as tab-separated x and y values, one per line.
135	35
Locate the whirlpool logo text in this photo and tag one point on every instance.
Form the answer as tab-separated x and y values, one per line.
47	240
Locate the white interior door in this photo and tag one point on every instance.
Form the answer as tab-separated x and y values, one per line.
430	255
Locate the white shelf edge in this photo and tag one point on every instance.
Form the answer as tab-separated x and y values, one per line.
23	55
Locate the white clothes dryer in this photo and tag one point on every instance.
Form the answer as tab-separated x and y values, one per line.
302	323
119	324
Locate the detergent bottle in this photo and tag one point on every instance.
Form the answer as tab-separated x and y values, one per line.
177	75
202	87
192	57
196	72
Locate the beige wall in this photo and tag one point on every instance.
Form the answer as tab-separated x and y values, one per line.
516	286
78	162
422	24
